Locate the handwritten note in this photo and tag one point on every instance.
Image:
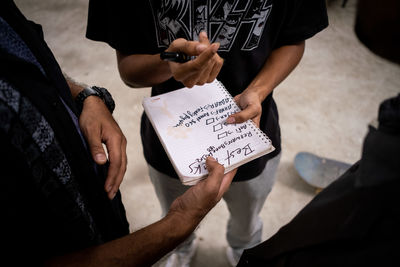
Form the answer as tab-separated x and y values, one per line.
191	125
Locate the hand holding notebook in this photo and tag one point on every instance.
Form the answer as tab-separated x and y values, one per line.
191	125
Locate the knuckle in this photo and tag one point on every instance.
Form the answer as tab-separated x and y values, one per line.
201	82
220	169
178	77
197	66
190	84
176	42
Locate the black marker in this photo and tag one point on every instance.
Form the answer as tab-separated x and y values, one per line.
178	57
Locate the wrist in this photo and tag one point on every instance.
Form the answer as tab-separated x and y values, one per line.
261	89
184	225
95	91
74	86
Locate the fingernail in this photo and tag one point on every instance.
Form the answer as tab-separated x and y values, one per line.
201	47
215	47
100	157
109	188
230	120
211	158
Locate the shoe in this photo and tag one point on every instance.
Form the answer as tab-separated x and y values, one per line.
183	256
172	260
232	257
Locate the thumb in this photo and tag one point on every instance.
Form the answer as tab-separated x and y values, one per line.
215	171
250	112
219	181
203	38
207	54
96	148
204	42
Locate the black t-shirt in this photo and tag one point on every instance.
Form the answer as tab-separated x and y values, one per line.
248	32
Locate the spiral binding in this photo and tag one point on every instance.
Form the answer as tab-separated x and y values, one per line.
250	123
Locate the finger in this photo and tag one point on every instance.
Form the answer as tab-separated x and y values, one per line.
236	98
185	46
190	81
194	75
216	69
115	156
216	178
205	75
205	56
215	172
122	169
181	71
250	112
189	73
204	43
93	137
203	38
256	120
226	182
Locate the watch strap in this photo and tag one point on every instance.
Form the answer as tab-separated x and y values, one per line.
102	93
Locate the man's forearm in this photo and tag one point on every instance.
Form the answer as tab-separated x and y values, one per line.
141	248
278	66
146	246
142	70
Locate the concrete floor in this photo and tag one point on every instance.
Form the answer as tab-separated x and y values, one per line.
325	106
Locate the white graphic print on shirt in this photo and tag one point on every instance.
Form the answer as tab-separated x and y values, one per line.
221	19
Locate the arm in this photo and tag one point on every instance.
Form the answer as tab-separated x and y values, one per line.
98	126
143	70
278	66
144	247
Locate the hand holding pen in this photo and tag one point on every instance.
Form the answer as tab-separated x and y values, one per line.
205	66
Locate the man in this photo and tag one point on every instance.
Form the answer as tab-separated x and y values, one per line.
250	46
352	222
60	203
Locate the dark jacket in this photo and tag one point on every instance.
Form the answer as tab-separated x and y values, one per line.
354	221
53	199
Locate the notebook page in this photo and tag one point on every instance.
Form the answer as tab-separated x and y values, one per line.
191	126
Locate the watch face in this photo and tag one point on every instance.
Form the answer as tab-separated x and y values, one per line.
91	91
106	96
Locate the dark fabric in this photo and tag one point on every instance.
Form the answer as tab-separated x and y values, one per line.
354	221
12	44
248	31
378	27
10	13
41	216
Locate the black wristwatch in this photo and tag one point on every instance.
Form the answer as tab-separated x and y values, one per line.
96	91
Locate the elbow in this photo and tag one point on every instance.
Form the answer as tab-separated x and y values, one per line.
129	82
125	70
129	78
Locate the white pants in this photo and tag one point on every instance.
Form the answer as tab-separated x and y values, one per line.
244	200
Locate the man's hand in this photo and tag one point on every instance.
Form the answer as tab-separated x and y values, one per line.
198	200
250	103
203	69
98	126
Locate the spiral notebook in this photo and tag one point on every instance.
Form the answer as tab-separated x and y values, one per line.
191	125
